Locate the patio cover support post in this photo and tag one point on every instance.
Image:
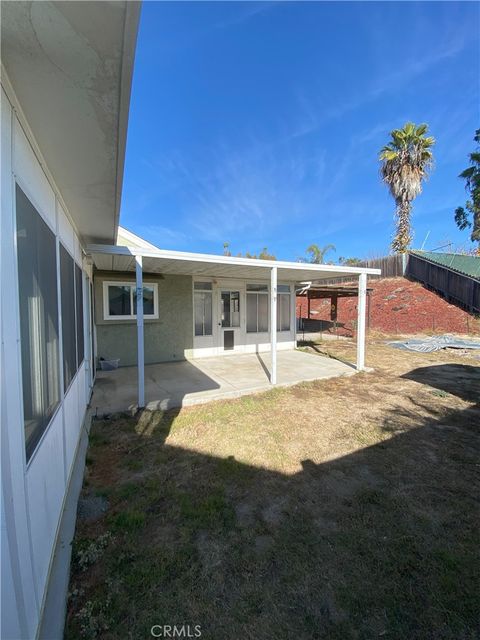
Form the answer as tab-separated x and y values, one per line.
362	295
273	324
140	338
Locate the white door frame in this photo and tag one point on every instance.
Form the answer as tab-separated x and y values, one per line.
239	332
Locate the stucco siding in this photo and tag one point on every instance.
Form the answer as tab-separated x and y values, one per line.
167	339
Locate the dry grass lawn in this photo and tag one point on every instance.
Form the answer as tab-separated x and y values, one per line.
345	508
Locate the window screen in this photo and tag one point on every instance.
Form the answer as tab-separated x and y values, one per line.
67	296
38	303
79	313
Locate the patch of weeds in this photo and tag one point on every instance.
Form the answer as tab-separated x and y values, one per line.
134	464
88	461
128	521
439	393
104	492
370	497
127	490
87	552
230	469
211	511
91	625
97	439
93	618
161	457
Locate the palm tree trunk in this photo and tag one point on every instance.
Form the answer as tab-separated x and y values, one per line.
403	234
476	225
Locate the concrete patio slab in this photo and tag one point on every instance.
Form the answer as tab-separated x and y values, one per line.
176	384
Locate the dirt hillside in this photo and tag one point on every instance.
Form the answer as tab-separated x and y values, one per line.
396	305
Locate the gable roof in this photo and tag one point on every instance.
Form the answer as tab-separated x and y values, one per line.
126	238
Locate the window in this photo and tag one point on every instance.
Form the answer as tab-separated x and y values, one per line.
67	297
283	307
120	301
38	304
202	303
79	314
257	308
230	309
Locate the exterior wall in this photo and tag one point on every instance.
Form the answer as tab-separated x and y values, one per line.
33	493
171	337
205	346
167	339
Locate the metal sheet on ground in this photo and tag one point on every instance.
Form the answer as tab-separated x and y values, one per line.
435	343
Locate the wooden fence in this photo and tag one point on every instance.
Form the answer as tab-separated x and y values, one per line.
453	286
391	267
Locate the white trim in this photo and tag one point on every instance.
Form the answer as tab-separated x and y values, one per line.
273	324
211	292
227	260
362	296
140	336
136	241
131	284
239	333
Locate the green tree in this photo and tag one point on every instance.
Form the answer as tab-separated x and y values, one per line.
469	216
350	262
317	254
406	160
263	255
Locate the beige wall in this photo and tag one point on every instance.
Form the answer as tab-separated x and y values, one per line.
167	339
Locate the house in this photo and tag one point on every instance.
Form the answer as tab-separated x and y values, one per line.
200	305
75	289
66	75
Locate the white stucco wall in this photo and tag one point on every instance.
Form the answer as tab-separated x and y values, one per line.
33	494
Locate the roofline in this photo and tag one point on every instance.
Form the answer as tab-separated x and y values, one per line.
245	262
129	235
130	33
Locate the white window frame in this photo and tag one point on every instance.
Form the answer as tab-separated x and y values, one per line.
203	290
132	285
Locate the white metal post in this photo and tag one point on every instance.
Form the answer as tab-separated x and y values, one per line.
140	340
273	325
362	299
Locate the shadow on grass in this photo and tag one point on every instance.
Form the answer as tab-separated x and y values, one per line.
310	344
378	543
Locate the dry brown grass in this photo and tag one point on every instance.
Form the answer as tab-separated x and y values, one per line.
345	508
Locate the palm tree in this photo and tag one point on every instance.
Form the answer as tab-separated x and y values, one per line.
469	215
317	254
406	160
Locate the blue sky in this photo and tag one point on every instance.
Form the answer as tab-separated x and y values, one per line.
259	123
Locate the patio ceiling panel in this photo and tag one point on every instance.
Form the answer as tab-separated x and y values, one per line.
204	265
